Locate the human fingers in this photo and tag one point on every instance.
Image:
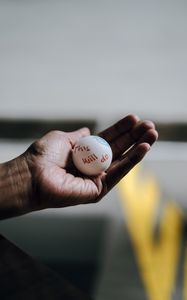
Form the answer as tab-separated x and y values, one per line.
121	127
127	140
150	136
74	136
122	166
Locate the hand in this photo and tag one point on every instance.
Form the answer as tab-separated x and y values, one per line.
53	181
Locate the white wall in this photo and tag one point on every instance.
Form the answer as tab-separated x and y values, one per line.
101	58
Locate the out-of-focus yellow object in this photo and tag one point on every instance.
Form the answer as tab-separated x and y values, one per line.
157	258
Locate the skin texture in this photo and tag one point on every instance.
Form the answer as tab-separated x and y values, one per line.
45	177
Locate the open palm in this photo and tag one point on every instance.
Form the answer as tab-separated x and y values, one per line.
57	183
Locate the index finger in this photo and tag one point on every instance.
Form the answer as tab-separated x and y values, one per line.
121	127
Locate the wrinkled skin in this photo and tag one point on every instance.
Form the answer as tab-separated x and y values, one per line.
44	175
54	181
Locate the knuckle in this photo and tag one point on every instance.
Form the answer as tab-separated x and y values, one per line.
37	148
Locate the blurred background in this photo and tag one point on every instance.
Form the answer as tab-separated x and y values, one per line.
66	64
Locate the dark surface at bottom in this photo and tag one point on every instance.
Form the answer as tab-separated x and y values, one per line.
81	275
22	277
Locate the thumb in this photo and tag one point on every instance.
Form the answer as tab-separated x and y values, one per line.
77	134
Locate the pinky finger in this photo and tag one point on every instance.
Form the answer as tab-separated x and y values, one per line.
121	167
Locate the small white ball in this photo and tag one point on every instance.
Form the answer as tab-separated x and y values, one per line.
92	155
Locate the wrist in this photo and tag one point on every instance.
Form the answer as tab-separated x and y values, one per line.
15	188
